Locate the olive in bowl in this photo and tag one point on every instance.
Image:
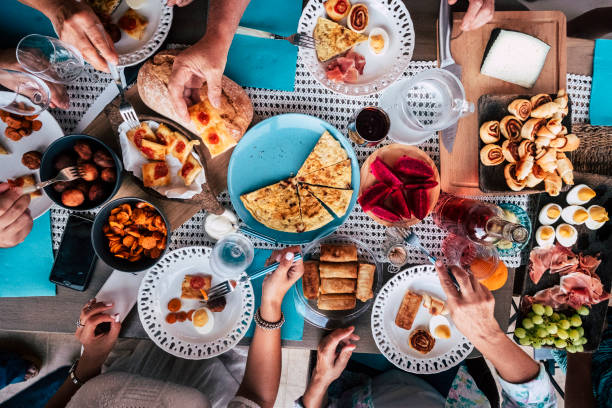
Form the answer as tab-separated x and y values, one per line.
94	159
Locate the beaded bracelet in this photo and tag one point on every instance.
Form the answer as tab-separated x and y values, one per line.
266	325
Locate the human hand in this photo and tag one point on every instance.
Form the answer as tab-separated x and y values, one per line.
179	3
333	354
76	23
276	284
96	347
479	13
15	220
471	307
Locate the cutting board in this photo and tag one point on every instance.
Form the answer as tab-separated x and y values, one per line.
459	169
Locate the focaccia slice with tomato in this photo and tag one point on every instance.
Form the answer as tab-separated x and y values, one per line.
155	174
190	170
164	134
181	147
193	284
133	24
211	128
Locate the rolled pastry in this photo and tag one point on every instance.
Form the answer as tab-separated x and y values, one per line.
526	147
539	99
337	286
552	128
310	279
510	127
358	18
548	161
538	172
563	130
542	141
511	180
561	99
565	168
532	181
337	302
523	167
337	9
552	183
338	253
491	155
521	108
365	280
561	113
338	270
489	132
434	305
546	110
531	127
510	151
571	143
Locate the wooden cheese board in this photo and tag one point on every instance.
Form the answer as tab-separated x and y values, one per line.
459	169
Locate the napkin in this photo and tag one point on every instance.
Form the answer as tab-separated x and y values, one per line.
25	269
260	62
293	329
601	89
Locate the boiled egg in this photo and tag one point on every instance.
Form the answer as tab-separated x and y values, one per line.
566	235
440	327
378	41
549	214
545	236
598	216
580	194
574	214
203	320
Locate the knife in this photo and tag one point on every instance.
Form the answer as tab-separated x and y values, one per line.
448	63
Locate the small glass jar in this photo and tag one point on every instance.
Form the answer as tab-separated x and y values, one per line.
395	249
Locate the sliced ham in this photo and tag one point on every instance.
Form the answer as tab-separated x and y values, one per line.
359	60
335	74
351	75
557	259
346	68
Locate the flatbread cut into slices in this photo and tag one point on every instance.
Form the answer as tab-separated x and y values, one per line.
314	215
336	200
326	152
332	39
337	176
276	206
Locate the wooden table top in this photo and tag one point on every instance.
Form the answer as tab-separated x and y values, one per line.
59	313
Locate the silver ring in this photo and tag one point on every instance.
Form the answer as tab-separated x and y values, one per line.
79	324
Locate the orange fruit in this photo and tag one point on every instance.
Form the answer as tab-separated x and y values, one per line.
482	268
498	278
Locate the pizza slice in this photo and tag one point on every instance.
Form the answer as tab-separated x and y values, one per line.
333	39
190	170
133	24
337	176
152	150
25	181
155	174
181	147
276	206
326	152
335	199
192	286
211	128
164	134
314	215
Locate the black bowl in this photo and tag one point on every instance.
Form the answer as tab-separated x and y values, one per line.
100	242
65	145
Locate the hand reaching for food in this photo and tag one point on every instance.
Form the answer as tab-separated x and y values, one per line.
276	284
479	13
15	219
179	3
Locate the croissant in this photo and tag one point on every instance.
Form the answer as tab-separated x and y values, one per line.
489	132
563	130
542	141
532	180
521	108
523	167
552	183
526	147
491	155
571	143
510	127
546	110
539	99
561	99
565	169
548	161
551	129
531	127
511	180
510	151
561	113
538	172
558	142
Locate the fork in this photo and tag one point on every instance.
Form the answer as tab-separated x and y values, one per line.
67	174
125	108
228	286
298	39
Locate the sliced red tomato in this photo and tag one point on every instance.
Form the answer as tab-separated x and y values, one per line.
197	282
204	118
127	23
180	146
341	7
213	138
186	169
161	170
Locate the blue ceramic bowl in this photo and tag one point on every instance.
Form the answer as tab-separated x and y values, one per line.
65	145
524	221
100	242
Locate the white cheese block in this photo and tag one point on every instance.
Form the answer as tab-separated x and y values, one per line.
515	57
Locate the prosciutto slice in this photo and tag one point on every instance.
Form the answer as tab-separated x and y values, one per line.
346	68
557	259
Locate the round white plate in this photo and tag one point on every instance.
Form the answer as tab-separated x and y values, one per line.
392	340
11	167
163	282
159	16
380	71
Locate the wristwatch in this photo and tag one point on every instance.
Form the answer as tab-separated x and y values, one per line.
75	380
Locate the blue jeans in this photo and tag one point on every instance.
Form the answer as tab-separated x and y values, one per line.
13	368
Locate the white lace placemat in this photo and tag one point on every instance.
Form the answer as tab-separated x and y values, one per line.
311	98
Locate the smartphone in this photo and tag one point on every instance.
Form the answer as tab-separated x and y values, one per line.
76	259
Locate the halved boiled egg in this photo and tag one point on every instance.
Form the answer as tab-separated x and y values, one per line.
580	194
203	320
440	327
598	216
378	41
574	214
549	214
566	235
545	236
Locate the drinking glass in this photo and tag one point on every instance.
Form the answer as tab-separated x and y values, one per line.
419	106
369	126
231	255
22	93
49	58
480	260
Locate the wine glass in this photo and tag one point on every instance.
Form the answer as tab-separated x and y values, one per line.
231	255
22	93
49	58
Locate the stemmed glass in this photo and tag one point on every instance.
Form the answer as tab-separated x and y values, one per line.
49	58
22	93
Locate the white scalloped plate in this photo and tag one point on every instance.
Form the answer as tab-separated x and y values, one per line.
163	282
380	70
159	16
392	340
